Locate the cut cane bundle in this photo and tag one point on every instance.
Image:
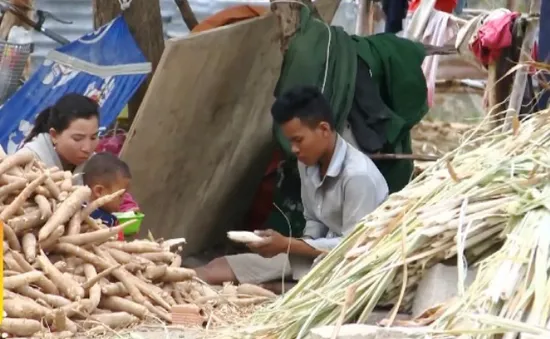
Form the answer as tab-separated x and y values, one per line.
512	286
459	207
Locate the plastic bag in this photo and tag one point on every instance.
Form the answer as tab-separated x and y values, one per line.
112	142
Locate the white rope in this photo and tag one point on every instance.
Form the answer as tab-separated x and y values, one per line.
287	260
327	58
124	4
461	237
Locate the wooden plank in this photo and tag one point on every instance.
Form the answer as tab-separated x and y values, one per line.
453	67
520	78
200	141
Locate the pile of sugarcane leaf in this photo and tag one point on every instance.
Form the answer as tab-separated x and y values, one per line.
511	293
437	138
459	207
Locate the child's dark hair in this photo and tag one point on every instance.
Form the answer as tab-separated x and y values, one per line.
70	107
105	168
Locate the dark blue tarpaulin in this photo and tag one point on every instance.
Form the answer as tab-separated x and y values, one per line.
544	45
106	65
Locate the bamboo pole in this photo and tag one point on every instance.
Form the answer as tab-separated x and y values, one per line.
520	80
362	10
187	14
397	156
492	79
371	18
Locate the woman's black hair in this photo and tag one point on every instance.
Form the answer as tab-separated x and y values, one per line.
68	108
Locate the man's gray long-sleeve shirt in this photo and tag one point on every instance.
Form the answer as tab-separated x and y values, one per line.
352	188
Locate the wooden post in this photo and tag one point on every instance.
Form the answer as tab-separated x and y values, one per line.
373	16
520	80
143	18
362	16
419	20
187	14
491	88
511	5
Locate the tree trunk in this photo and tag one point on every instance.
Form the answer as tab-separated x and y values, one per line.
145	22
9	20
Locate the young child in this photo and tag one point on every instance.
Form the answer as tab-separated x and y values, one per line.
105	174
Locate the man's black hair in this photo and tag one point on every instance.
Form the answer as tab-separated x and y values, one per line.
306	103
105	168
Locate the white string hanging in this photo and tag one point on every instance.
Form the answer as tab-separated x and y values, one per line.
461	238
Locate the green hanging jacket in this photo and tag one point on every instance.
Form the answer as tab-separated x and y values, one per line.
304	64
396	66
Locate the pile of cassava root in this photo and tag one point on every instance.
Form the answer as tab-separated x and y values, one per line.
66	273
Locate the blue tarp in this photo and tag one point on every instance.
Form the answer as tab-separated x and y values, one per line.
106	65
544	46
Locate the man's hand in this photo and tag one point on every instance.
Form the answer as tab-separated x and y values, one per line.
274	243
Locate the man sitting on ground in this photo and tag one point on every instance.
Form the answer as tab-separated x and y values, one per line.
339	186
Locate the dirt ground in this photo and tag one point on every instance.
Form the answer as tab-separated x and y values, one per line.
168	333
153	332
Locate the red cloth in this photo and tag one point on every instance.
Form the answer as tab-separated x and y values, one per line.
112	143
492	37
263	200
441	5
120	236
229	16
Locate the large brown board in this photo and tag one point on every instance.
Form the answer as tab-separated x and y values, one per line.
200	141
202	136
